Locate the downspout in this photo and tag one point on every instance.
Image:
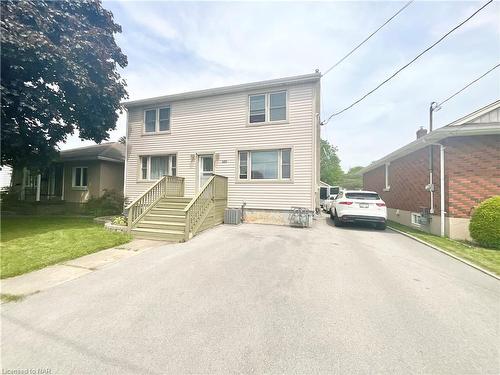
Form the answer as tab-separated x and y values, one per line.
126	158
441	187
431	159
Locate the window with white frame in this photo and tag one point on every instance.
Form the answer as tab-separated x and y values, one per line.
80	177
265	164
157	120
156	166
387	186
416	219
267	107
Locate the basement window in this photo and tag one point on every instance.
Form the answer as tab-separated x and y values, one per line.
416	219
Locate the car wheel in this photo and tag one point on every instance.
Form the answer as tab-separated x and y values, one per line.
336	221
331	214
381	226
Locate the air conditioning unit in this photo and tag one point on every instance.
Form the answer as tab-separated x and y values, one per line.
232	216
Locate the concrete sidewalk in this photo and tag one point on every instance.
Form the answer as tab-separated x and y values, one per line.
45	278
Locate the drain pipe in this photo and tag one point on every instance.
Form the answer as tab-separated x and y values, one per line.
441	186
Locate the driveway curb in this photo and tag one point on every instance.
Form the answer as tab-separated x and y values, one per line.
446	252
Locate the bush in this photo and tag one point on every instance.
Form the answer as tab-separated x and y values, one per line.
484	225
119	220
110	203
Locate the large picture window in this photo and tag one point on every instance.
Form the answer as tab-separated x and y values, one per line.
268	107
265	164
157	120
155	167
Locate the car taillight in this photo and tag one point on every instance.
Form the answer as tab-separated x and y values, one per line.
348	203
381	204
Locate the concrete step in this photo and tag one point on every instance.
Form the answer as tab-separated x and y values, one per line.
161	225
160	234
165	218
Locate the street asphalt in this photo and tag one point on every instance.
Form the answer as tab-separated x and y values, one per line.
265	299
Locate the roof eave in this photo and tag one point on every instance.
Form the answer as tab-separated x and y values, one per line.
225	90
434	137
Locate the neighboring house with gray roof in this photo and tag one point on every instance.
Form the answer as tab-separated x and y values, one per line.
466	171
81	173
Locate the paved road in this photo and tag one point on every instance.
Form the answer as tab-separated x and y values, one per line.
265	299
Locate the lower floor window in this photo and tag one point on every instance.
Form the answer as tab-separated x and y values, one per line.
155	167
265	164
80	177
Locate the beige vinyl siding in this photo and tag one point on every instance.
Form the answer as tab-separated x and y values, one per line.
219	124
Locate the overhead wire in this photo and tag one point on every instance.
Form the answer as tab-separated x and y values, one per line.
407	64
367	38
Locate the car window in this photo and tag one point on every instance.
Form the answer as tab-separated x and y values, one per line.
365	196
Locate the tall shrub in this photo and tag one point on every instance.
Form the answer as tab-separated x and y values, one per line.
484	225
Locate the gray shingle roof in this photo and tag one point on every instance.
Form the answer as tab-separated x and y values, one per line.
111	151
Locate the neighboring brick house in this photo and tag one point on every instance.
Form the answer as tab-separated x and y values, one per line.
471	174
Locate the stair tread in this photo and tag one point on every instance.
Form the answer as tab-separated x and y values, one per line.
154	230
162	223
166	216
167	209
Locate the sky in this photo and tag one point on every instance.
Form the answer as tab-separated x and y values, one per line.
174	47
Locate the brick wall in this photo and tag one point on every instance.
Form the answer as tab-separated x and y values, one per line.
408	177
473	166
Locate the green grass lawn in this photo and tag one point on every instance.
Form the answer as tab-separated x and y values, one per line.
486	258
33	242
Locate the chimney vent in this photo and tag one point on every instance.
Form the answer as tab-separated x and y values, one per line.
421	132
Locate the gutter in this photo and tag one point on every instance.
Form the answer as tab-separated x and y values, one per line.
436	136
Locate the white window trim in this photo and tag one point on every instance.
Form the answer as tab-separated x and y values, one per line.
387	186
267	108
413	216
73	178
148	170
249	166
157	120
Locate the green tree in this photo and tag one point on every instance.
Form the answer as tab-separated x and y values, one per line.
352	179
59	74
331	172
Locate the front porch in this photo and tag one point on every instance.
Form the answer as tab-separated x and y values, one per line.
38	187
163	211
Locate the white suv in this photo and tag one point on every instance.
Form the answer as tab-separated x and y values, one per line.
359	206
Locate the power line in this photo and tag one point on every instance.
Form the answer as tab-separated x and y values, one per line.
406	65
469	84
366	39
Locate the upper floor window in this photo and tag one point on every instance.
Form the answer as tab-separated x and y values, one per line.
157	120
268	107
265	165
80	177
155	167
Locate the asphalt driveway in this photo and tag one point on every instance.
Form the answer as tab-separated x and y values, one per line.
265	299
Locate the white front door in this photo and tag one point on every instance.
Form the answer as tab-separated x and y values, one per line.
205	168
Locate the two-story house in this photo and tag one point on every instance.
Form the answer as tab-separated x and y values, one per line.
263	137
